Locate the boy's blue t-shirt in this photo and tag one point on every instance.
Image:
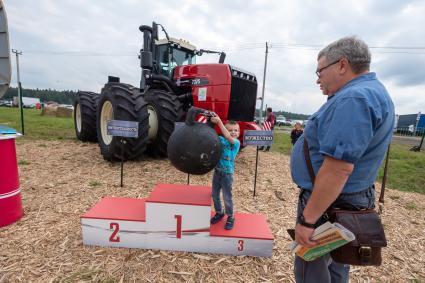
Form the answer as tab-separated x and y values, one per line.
228	154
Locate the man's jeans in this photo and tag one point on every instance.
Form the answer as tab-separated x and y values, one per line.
222	181
324	269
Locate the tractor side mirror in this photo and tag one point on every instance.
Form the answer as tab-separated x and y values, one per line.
222	57
154	31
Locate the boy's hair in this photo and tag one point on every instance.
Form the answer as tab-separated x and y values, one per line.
231	122
269	109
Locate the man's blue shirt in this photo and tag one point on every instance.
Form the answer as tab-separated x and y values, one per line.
228	154
354	125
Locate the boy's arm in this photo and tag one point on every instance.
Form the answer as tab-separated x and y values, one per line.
216	120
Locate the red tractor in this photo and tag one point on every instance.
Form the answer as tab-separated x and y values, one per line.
171	82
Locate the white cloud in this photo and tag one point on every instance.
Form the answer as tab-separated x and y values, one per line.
47	30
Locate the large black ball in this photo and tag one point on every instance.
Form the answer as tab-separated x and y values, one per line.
194	149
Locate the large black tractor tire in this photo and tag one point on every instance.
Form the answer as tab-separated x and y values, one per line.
122	102
164	110
85	108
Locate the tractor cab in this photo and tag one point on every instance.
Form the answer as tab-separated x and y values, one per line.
173	52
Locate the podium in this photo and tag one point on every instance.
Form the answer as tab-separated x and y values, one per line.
10	191
177	218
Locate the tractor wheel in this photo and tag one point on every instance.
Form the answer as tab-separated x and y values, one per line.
85	107
122	102
164	110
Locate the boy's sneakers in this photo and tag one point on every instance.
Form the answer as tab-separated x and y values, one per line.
217	217
229	223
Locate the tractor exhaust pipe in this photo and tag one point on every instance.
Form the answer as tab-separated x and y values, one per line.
147	53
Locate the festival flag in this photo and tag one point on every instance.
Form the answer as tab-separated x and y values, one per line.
267	126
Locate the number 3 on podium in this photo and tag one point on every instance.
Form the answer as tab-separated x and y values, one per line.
240	245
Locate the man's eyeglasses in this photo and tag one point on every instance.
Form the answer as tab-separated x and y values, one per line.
321	69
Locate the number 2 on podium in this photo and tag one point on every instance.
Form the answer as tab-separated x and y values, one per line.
116	227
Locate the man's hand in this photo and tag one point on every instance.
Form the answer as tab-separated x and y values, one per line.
303	236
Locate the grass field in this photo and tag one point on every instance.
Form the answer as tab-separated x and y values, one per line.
37	126
406	171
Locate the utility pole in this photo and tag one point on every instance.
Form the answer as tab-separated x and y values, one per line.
264	83
17	53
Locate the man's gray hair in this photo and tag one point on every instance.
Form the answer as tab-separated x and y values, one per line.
353	49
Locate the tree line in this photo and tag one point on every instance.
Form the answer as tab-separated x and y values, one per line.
45	95
68	97
287	115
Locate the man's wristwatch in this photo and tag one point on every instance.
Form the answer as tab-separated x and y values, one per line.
304	223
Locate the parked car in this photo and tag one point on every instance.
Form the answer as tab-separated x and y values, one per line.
288	122
280	121
6	103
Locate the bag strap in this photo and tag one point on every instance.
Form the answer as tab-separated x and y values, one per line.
313	176
308	161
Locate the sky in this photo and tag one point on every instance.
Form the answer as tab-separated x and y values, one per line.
76	44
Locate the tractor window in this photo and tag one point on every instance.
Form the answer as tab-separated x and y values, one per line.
179	58
162	58
183	58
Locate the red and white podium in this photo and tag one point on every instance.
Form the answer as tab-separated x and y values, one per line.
174	217
10	191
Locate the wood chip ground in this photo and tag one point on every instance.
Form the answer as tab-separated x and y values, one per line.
61	180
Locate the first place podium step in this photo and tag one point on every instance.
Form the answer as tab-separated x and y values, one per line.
174	217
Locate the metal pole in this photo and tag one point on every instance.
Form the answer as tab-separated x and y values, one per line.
17	53
264	83
384	181
122	161
422	140
256	166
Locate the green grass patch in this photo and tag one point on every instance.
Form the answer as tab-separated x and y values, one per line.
38	127
23	162
411	206
406	169
94	183
282	143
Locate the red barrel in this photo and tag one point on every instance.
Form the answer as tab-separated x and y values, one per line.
10	192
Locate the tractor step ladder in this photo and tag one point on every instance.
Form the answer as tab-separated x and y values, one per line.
177	218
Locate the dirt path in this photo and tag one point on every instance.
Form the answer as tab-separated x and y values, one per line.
61	180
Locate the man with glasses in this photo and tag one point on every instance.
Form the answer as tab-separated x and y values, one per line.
347	139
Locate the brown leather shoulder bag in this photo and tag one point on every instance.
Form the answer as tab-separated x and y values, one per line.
365	224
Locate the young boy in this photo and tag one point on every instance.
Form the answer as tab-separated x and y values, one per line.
223	172
296	132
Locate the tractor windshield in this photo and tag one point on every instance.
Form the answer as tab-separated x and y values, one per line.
178	57
182	57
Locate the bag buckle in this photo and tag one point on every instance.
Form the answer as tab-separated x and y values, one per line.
365	254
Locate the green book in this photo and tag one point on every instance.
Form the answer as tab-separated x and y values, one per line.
329	236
